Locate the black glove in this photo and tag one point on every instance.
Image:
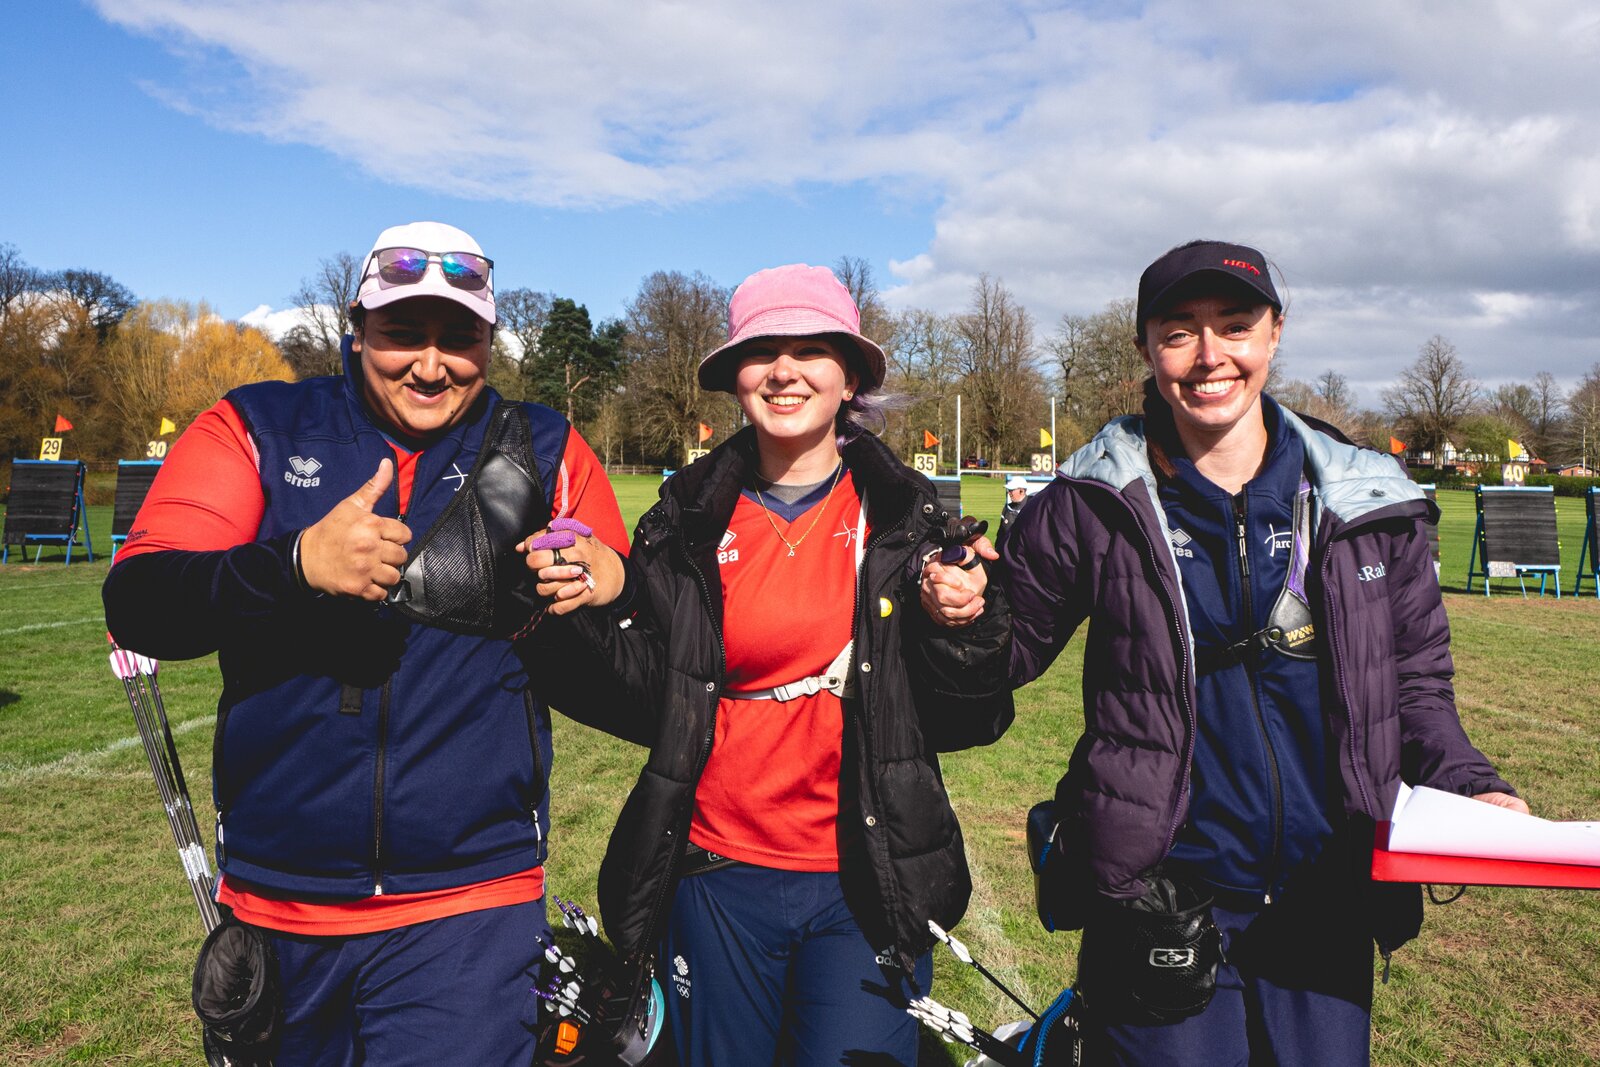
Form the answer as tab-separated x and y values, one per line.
1153	960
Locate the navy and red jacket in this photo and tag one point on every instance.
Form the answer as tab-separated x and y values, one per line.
356	752
1097	545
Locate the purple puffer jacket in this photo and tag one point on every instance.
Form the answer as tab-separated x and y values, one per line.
1093	545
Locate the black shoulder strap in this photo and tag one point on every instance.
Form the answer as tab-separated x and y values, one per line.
1290	629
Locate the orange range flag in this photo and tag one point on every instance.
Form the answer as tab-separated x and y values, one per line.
928	440
62	425
1396	446
705	433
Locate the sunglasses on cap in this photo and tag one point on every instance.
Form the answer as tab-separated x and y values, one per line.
466	271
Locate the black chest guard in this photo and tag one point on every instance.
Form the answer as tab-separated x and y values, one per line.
464	575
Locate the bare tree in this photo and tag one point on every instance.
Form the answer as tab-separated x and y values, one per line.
103	299
674	321
1549	403
521	314
1433	395
1000	377
1069	347
324	301
1371	429
1296	395
16	278
1107	374
1333	389
922	349
1513	403
1582	426
856	275
1328	399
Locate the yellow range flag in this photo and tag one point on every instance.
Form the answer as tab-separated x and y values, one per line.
1045	440
1513	448
167	426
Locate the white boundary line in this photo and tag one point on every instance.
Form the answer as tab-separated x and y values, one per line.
87	763
35	627
21	585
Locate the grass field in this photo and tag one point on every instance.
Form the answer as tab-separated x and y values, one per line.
100	931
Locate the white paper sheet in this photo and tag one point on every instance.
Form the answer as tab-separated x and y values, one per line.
1434	822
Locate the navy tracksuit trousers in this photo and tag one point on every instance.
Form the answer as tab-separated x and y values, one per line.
452	990
1296	990
764	967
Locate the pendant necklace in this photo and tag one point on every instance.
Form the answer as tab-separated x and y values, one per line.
770	521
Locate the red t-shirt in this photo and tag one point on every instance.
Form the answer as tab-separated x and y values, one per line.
770	791
208	497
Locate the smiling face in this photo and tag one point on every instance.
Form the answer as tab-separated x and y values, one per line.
1210	355
791	388
422	364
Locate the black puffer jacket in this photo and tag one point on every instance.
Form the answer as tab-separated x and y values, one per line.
920	690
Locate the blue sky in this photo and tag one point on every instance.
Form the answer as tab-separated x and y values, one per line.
1426	169
106	175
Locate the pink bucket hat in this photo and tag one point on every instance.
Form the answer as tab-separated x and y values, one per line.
792	301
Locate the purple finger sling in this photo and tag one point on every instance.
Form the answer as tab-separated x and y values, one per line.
556	538
570	524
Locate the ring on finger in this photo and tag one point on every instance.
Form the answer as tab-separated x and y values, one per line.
557	560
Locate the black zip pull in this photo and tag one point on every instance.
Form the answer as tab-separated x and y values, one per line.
1386	953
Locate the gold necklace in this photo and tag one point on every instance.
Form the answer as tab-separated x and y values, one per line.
770	521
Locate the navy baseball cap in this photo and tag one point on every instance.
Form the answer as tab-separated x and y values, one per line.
1164	279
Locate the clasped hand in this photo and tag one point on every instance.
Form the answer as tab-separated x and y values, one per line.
575	569
952	594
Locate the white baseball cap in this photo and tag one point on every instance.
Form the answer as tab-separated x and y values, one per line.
427	259
1016	482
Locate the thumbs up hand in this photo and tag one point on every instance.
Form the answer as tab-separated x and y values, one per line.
352	552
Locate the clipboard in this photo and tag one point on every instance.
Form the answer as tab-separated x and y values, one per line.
1469	870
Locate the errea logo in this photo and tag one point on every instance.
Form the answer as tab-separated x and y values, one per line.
304	473
1180	544
1371	573
724	553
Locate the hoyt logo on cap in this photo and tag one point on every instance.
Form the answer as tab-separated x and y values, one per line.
1184	270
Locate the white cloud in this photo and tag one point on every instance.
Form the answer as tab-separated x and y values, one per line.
276	323
1412	169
